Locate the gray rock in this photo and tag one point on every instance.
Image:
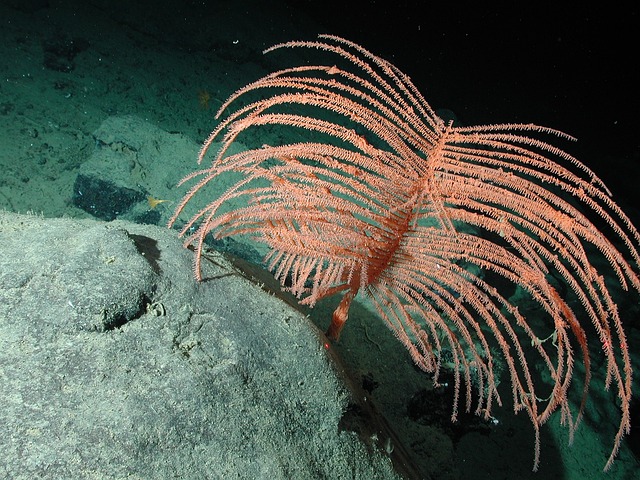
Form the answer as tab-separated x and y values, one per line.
115	363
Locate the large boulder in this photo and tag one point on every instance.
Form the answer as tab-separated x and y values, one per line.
115	363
